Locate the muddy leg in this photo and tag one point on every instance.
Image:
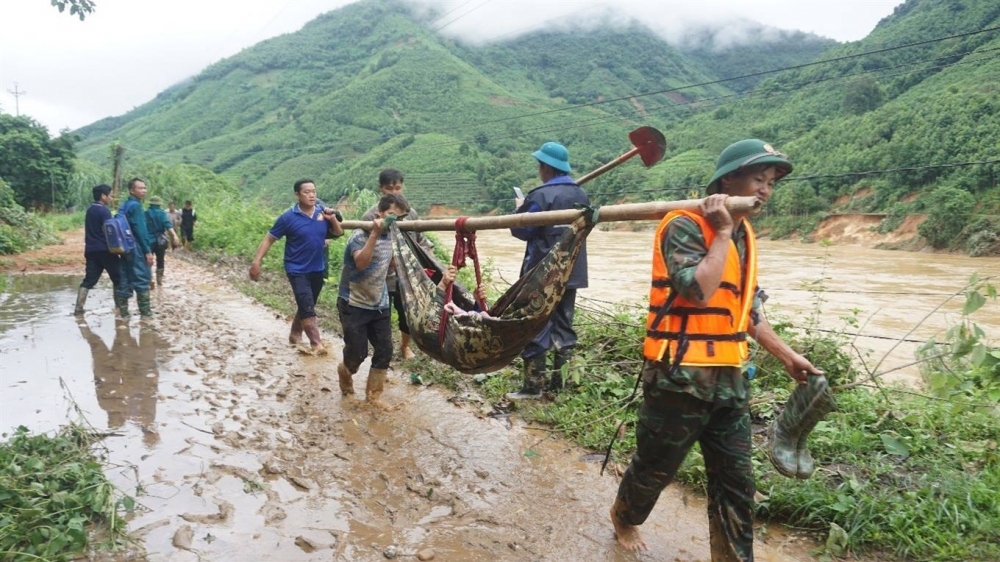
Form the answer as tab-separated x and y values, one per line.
344	376
295	335
627	535
311	328
373	391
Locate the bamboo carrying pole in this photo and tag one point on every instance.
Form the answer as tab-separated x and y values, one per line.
652	211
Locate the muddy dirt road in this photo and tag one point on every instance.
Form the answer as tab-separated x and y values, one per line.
241	451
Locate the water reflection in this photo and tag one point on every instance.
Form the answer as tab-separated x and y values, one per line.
126	377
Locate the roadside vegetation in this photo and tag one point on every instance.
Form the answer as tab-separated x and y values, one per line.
55	501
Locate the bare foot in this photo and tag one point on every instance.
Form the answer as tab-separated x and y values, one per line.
627	535
407	353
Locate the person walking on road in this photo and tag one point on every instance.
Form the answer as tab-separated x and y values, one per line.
305	227
557	192
363	301
390	181
188	218
175	216
135	265
704	302
95	251
161	235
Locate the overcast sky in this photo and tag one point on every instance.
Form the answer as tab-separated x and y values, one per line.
125	53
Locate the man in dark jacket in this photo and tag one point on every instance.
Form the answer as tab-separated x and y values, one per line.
557	192
135	265
99	259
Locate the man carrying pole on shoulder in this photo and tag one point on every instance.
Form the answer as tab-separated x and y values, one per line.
557	192
704	302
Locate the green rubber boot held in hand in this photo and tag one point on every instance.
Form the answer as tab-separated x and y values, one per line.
534	379
145	310
121	303
787	448
81	299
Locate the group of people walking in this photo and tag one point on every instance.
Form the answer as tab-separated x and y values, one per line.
153	230
704	303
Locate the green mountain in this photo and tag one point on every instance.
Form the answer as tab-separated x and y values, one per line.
370	86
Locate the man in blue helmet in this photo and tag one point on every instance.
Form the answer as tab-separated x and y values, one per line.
557	192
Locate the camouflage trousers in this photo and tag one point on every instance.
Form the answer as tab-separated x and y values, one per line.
669	424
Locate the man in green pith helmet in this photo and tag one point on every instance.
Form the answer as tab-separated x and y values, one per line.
161	234
704	302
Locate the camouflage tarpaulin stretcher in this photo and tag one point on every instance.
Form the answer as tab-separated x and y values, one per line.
474	343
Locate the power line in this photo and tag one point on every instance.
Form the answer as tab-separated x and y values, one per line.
485	2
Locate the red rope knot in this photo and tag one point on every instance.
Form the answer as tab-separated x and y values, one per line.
465	247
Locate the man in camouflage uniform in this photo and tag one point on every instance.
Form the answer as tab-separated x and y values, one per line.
694	389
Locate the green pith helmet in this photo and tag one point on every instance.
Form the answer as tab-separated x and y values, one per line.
747	152
155	201
553	154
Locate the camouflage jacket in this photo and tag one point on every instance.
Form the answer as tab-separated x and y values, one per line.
683	249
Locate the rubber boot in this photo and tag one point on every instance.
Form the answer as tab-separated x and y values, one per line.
295	335
81	299
376	383
559	362
787	447
534	379
345	378
145	310
159	278
311	330
121	303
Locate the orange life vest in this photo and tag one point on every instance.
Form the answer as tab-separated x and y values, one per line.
713	335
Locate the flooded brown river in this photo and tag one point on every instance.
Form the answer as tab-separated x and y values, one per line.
239	451
890	292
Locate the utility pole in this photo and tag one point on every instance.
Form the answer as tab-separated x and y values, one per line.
17	99
117	152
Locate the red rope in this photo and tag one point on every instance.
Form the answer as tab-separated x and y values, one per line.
465	247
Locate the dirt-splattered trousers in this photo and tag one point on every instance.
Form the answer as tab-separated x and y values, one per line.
670	422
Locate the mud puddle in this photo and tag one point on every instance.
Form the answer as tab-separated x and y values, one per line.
240	451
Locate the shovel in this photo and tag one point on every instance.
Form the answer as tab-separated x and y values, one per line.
649	145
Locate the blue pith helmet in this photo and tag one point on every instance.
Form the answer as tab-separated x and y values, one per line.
747	152
553	154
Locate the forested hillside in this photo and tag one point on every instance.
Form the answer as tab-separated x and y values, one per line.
370	85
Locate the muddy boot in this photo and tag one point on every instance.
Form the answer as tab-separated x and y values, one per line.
807	406
295	335
376	383
534	379
145	310
345	377
81	299
559	363
311	329
121	303
159	278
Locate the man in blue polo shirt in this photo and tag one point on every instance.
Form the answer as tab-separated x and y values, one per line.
306	226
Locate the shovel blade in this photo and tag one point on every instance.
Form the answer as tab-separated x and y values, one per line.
651	144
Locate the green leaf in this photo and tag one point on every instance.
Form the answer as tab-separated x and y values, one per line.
994	394
894	446
978	356
974	300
